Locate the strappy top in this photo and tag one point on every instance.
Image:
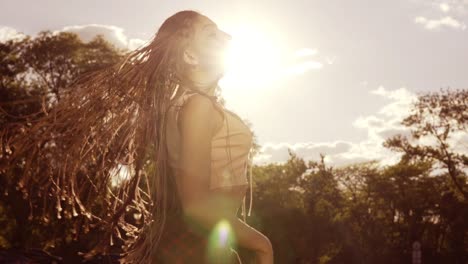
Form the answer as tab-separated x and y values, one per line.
231	146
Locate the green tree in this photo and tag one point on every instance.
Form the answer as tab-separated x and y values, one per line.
278	208
34	74
438	116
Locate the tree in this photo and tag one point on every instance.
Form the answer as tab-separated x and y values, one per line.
438	117
34	74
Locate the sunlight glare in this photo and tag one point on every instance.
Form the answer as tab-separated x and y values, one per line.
256	58
252	59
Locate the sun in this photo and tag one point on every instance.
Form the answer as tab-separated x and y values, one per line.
253	59
259	56
261	61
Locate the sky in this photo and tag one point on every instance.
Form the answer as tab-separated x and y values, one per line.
331	77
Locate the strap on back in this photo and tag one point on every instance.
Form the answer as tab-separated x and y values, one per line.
186	94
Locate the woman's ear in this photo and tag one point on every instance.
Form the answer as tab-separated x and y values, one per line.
190	58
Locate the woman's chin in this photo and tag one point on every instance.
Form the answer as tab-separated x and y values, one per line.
217	68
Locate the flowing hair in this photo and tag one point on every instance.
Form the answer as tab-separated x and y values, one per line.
100	152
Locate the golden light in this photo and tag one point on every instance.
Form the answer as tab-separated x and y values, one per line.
257	57
252	59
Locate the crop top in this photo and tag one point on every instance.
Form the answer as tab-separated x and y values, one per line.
231	145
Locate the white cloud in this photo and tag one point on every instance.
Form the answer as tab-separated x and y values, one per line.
434	24
436	14
379	126
308	150
457	7
8	33
444	7
401	100
115	35
303	67
299	67
458	142
384	124
368	121
135	43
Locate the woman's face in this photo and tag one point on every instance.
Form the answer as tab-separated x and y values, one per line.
209	44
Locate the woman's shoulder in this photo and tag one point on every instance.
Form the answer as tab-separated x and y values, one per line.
183	96
187	94
199	102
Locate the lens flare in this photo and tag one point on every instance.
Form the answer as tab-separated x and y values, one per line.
220	242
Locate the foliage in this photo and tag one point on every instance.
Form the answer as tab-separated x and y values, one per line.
34	74
438	117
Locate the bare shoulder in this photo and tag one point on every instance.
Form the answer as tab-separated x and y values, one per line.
198	112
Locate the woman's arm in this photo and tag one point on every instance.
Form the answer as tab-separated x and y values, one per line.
197	127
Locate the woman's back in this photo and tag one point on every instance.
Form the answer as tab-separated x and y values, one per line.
230	145
230	157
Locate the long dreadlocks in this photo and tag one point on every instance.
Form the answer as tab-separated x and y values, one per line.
106	139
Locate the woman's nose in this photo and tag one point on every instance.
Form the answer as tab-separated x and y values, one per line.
226	36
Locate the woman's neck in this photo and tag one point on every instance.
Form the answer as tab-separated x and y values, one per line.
203	81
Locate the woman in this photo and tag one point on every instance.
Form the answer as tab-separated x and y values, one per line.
155	114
